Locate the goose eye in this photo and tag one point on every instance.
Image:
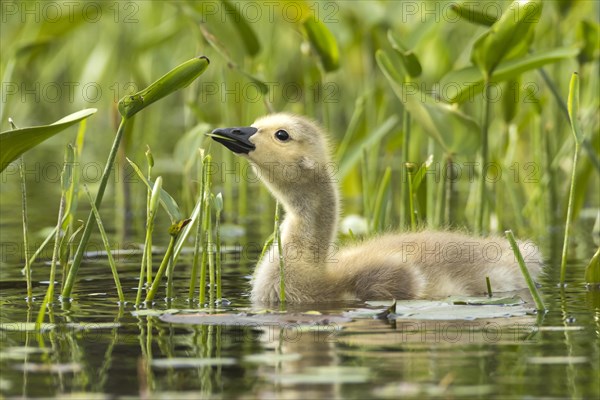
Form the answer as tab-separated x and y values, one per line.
282	135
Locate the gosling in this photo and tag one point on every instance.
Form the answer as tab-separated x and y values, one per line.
292	157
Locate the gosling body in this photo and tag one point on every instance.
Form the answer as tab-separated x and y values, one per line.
291	156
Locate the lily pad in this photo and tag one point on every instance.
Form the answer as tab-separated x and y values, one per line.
452	308
473	301
254	319
272	358
191	362
325	375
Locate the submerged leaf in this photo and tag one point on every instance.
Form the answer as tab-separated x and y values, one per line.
15	142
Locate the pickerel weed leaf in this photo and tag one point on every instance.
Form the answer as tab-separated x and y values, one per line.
509	33
15	142
324	43
178	78
467	82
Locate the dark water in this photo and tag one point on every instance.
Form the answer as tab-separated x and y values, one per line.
99	350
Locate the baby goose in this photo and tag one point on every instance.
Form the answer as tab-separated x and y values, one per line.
291	156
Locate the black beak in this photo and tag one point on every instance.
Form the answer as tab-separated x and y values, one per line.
235	139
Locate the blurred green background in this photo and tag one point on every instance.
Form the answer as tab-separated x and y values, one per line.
59	57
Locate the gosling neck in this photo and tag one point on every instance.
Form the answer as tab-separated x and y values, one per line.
310	221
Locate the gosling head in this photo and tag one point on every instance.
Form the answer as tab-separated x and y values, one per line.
284	148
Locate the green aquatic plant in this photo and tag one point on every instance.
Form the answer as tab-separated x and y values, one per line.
179	77
573	106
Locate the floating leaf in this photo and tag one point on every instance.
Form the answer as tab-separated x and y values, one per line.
15	142
453	308
191	362
288	320
154	313
325	375
324	43
508	33
26	327
49	368
467	82
272	358
178	78
505	301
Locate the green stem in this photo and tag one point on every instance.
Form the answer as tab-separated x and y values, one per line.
25	229
87	232
563	262
199	231
479	223
211	263
50	292
404	172
218	253
411	205
530	284
111	261
161	271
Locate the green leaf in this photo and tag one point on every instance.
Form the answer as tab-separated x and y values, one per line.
354	154
324	43
588	34
454	131
592	271
509	32
243	28
470	80
408	57
15	142
178	78
466	11
168	203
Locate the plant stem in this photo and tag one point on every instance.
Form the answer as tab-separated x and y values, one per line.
218	253
87	232
489	286
563	262
411	206
161	271
479	224
111	261
530	284
199	231
404	172
25	229
50	292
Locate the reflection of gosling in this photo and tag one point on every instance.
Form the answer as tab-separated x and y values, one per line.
292	157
